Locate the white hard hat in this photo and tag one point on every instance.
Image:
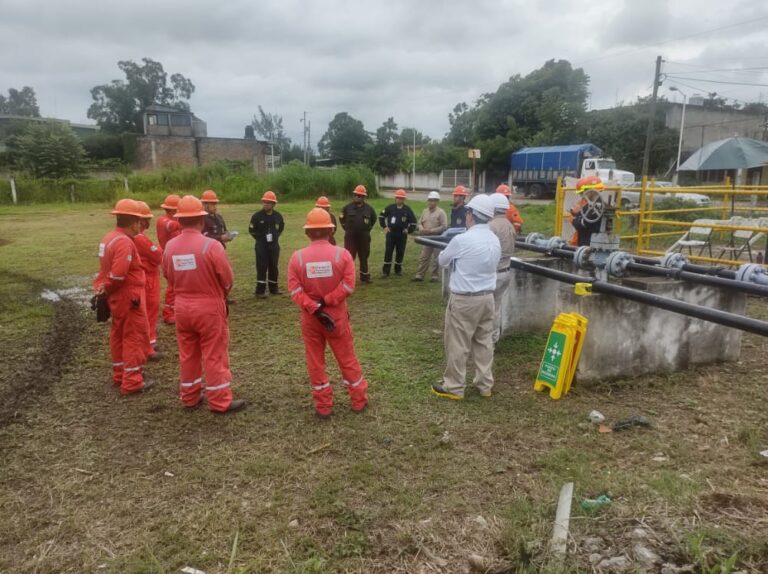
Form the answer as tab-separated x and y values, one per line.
434	195
500	202
481	204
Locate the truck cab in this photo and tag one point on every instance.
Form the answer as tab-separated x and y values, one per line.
605	169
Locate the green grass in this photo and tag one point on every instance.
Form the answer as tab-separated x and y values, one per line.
84	478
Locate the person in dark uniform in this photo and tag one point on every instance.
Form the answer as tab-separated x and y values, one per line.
323	203
214	222
459	210
398	220
357	219
266	227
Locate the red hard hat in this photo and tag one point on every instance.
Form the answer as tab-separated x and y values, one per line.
322	201
589	182
400	194
269	196
209	196
459	190
360	190
190	206
171	202
127	207
318	218
504	190
146	212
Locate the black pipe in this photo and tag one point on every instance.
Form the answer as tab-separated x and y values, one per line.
751	288
697	311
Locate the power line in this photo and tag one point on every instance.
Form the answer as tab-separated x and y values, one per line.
672	77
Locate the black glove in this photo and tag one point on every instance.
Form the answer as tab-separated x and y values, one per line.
100	305
321	302
326	320
135	303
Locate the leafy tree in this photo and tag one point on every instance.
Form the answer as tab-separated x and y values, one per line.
462	120
270	127
118	105
384	155
406	137
345	139
101	146
50	149
434	157
20	103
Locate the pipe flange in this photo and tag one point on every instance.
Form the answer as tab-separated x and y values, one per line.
617	262
674	260
535	238
555	243
752	273
581	257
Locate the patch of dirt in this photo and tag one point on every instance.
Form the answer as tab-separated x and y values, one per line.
4	242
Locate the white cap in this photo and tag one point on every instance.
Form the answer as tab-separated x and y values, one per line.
500	202
482	204
434	195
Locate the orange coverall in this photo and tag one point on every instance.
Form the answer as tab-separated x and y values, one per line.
167	228
121	276
514	217
199	272
151	258
325	272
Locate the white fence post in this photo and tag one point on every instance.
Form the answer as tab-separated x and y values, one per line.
13	191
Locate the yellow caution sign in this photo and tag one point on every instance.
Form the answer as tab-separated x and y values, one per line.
561	355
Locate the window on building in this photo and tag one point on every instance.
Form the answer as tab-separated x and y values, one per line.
162	119
152	119
181	120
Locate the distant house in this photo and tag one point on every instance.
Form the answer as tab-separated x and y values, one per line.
176	138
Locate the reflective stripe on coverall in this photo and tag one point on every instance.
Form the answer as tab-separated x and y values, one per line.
122	277
151	258
167	229
198	270
327	272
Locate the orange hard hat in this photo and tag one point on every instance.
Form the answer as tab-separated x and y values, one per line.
322	201
459	190
269	196
400	193
127	207
209	196
589	182
360	190
504	190
318	218
171	202
190	206
146	212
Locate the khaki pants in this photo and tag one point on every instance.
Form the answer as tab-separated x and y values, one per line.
502	282
428	255
468	327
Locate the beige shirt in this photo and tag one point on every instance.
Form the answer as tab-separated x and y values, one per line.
505	231
433	221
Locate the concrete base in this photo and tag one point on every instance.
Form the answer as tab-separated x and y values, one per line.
625	338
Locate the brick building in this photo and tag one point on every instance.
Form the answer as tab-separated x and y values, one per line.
174	138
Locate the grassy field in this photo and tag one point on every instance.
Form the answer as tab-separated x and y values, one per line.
95	482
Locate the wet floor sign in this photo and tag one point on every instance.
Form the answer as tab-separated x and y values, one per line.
561	355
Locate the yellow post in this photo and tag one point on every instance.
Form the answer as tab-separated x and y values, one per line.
640	244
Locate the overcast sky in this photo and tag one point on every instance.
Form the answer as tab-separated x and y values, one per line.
410	59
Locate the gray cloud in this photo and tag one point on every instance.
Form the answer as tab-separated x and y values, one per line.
410	60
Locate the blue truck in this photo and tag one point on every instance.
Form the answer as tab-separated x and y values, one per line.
534	170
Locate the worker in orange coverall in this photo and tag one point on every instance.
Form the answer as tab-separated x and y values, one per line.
513	215
199	272
167	229
320	278
121	281
151	258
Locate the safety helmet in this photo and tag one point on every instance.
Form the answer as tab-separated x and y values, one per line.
318	218
146	212
504	190
400	194
171	202
269	196
127	207
589	182
190	206
209	196
481	204
500	202
322	201
433	195
460	190
360	190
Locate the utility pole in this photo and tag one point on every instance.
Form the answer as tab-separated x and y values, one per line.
309	141
304	140
413	165
651	117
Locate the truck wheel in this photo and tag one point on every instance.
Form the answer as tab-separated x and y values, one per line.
537	190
